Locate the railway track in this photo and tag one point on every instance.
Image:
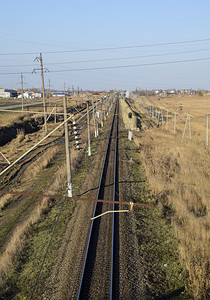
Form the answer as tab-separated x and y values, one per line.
21	206
99	275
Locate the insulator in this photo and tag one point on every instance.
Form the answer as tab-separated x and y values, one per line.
75	138
79	148
74	124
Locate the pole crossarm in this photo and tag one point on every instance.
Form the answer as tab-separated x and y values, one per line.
76	198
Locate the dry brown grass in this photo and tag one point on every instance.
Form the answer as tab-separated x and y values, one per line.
179	173
196	106
4	200
9	118
20	135
17	239
41	163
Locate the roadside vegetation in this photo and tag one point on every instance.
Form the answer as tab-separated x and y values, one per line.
164	275
32	220
178	174
9	118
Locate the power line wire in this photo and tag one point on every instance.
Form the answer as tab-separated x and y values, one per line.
109	48
118	67
112	59
134	65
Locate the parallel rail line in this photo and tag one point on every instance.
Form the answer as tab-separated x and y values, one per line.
90	254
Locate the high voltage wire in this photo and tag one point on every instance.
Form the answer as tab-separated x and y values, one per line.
111	59
117	67
109	48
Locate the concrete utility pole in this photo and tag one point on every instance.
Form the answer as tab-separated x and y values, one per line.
49	86
94	117
21	82
207	130
167	119
22	88
49	89
190	126
187	119
161	112
43	92
68	156
97	117
101	106
88	123
175	123
55	112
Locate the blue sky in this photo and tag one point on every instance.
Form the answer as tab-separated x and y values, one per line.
45	26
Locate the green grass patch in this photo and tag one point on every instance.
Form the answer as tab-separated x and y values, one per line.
164	275
20	281
12	220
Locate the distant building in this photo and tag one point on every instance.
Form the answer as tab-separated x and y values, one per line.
37	95
27	95
5	93
59	94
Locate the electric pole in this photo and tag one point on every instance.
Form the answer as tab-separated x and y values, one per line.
55	112
175	123
167	119
68	157
187	119
49	86
88	123
21	82
43	90
22	88
102	123
207	129
94	117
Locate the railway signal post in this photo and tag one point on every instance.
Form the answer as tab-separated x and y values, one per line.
68	156
129	131
88	124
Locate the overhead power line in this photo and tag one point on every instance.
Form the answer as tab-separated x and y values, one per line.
129	47
118	67
111	59
109	48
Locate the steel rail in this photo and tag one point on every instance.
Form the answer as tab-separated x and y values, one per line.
114	223
95	210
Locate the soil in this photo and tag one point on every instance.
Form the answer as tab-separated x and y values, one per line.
66	272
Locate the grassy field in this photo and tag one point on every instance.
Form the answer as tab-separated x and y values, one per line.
29	222
178	173
164	275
